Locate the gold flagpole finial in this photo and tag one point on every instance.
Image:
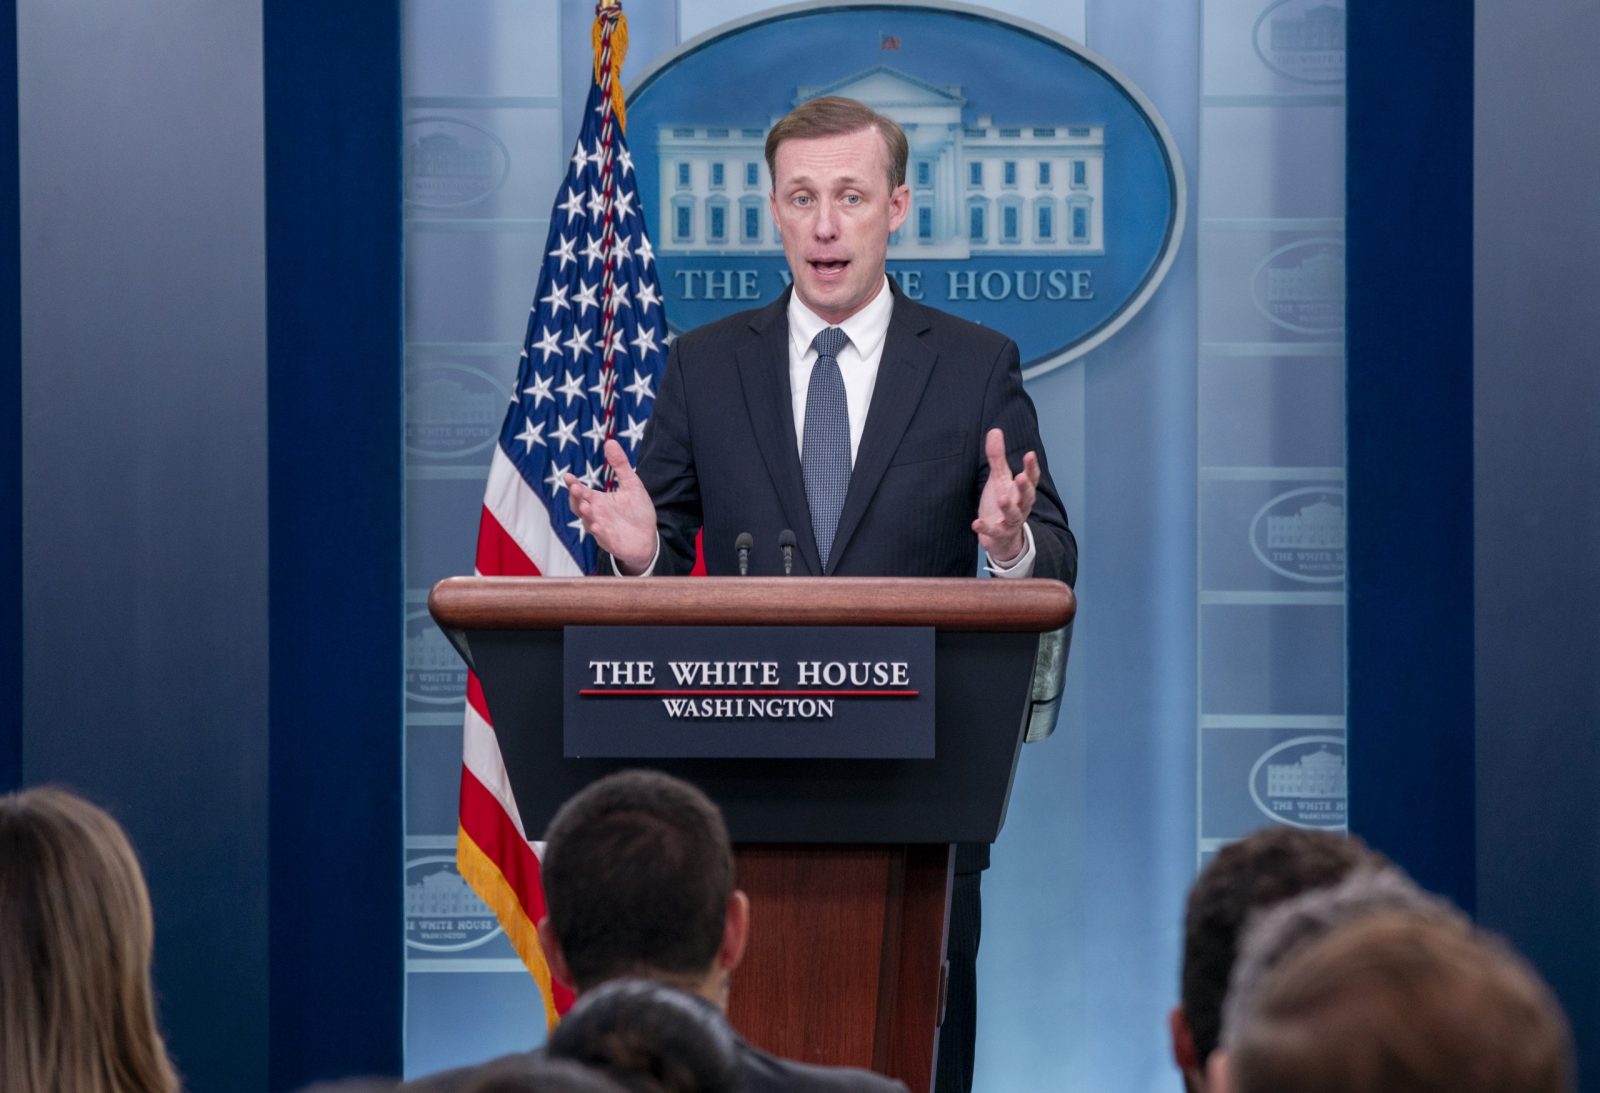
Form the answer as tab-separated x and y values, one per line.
610	40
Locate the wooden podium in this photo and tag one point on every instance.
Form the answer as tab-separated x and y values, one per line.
847	862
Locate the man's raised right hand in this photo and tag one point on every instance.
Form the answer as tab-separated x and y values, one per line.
622	521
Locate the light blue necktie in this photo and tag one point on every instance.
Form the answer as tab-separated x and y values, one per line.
825	444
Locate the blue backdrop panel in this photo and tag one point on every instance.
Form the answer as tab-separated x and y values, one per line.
1537	418
1409	410
333	143
10	412
144	570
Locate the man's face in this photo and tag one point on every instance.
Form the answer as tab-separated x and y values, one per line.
834	210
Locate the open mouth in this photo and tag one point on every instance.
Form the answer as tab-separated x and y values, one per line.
829	267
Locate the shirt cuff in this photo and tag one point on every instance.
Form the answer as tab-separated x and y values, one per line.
1022	565
649	569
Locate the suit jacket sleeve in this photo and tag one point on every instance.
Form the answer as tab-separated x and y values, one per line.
667	469
1008	407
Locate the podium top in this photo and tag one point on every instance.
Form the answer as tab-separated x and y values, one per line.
965	604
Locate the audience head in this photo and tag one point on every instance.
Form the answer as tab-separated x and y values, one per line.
545	1076
638	881
1398	1002
77	1013
649	1036
1274	934
1262	869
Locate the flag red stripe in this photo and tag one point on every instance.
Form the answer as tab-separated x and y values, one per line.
475	698
487	824
498	553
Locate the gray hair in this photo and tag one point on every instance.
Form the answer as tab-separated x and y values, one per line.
1276	933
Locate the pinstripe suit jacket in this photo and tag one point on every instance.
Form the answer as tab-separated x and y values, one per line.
720	451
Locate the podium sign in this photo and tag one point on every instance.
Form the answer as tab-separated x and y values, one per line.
748	692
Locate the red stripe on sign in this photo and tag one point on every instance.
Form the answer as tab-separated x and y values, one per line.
725	692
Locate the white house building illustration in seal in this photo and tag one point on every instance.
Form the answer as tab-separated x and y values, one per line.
988	188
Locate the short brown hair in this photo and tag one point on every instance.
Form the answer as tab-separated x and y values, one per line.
1259	871
835	116
637	872
1399	1002
76	1007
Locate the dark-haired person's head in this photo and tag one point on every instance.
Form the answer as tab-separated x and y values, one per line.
1398	1002
638	882
1264	868
76	1009
650	1036
547	1076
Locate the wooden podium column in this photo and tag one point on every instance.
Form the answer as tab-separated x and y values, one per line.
846	957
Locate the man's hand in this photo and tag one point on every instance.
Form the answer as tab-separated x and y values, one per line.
1006	501
623	521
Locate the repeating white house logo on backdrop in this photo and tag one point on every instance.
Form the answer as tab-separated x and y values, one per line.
1300	534
1302	782
1047	195
1300	286
450	162
443	915
1302	40
452	410
435	672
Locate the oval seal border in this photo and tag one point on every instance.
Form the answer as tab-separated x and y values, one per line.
1141	293
1255	545
1299	741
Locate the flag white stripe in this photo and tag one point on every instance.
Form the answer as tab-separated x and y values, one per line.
480	754
522	512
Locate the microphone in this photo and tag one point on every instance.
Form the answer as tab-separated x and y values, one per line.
743	544
786	543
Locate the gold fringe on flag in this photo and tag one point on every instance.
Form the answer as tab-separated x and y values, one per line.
619	50
485	877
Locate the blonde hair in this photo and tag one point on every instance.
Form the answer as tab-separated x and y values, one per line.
77	1013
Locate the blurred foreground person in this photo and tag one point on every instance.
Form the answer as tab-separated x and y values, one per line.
1259	871
648	1037
547	1076
1398	1002
1272	936
638	884
77	1014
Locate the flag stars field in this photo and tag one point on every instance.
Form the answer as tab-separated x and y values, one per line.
531	434
633	433
573	387
563	252
557	299
585	299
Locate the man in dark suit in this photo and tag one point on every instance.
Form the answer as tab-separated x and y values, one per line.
638	880
879	433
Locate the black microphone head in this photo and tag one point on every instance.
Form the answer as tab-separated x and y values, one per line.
786	539
744	542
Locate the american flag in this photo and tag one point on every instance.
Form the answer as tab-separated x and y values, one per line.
590	365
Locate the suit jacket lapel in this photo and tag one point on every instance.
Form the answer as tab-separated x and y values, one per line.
764	372
902	374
